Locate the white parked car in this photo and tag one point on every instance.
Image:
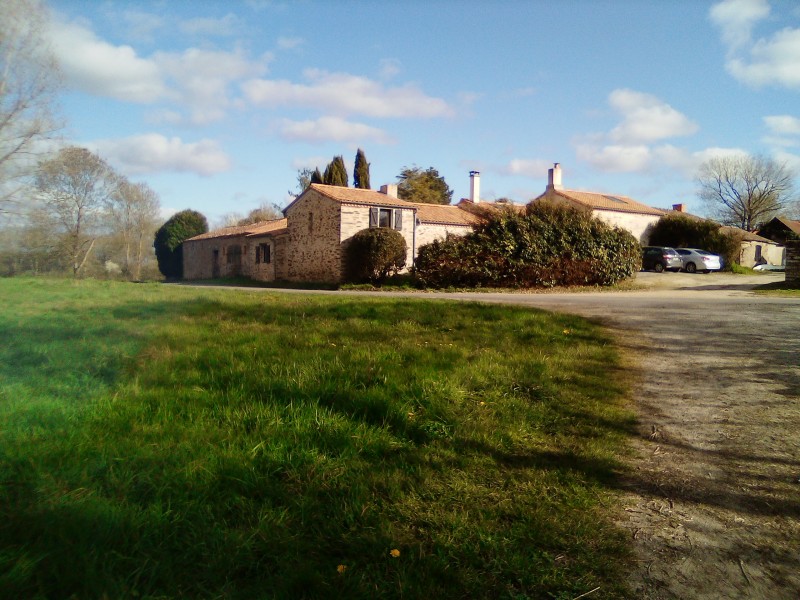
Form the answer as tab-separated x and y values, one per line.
699	260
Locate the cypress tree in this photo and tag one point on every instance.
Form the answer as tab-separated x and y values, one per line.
316	176
361	171
336	172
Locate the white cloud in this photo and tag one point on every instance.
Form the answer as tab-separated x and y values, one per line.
197	82
646	119
390	68
345	94
230	24
102	69
290	43
327	129
141	26
203	79
774	60
615	158
526	166
154	153
783	124
736	19
629	146
792	161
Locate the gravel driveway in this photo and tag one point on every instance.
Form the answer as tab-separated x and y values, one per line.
712	500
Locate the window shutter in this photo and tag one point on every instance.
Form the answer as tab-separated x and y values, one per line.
398	219
373	216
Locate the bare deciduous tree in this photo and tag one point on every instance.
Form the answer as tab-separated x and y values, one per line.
29	77
133	212
75	186
745	191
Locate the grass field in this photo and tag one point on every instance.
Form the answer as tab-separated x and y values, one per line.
159	441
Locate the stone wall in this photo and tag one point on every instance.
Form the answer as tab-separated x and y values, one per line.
216	257
314	246
793	261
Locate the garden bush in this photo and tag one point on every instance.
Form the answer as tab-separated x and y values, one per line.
680	231
548	245
374	254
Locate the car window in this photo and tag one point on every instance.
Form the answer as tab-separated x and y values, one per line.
684	252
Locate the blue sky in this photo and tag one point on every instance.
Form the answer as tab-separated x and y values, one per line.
216	105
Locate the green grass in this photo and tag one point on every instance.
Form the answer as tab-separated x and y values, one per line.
789	289
161	441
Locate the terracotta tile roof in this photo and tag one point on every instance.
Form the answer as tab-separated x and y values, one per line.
746	235
481	208
259	228
793	225
359	196
444	214
618	203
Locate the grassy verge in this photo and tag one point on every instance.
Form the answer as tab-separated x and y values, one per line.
779	288
160	441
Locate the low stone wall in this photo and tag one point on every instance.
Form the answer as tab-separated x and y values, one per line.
793	260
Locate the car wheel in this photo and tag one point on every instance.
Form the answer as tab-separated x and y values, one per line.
690	268
658	267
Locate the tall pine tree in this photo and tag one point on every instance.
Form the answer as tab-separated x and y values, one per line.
316	176
336	172
361	171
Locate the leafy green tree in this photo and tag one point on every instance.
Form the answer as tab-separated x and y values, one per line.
416	185
336	172
374	254
361	171
169	240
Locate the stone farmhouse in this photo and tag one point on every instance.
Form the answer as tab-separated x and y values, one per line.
308	243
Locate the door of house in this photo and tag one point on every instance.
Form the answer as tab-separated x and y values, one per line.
215	265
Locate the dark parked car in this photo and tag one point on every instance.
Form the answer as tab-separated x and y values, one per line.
661	258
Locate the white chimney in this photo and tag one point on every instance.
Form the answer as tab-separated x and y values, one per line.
475	186
390	189
554	177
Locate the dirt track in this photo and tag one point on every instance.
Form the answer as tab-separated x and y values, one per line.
712	501
713	498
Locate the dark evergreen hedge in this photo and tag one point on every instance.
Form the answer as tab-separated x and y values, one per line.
680	231
374	254
549	245
169	241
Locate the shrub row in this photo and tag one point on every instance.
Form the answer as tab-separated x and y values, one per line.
680	231
548	245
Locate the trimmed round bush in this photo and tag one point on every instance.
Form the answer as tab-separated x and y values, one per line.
374	254
169	241
548	245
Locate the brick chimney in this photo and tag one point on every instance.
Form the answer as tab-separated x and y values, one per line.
475	186
554	177
390	189
679	207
